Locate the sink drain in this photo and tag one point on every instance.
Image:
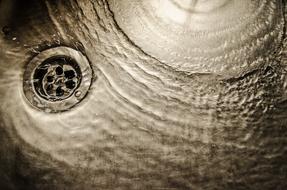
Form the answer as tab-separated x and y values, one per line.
57	79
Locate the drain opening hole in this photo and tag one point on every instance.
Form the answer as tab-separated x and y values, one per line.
70	74
50	78
59	70
59	91
70	84
57	78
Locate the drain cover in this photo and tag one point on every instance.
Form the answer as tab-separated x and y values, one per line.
57	79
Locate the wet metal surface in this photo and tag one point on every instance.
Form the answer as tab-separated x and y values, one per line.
181	94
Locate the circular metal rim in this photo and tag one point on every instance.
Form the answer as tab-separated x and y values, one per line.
63	105
75	69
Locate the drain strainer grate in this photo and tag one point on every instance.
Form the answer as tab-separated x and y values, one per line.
57	79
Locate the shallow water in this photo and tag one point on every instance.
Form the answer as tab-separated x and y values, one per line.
180	99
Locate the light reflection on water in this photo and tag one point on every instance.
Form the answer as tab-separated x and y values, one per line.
148	123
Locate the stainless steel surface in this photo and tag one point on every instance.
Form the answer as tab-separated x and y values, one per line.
188	95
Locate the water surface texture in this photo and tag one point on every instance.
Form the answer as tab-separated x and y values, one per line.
185	94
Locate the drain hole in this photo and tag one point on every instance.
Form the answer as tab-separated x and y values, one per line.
70	74
49	79
59	91
59	70
70	84
54	79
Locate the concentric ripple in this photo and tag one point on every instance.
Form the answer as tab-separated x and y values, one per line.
222	36
200	6
188	95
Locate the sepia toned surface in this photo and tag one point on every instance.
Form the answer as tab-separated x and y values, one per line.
184	95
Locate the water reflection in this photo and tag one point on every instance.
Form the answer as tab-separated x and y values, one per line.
148	123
